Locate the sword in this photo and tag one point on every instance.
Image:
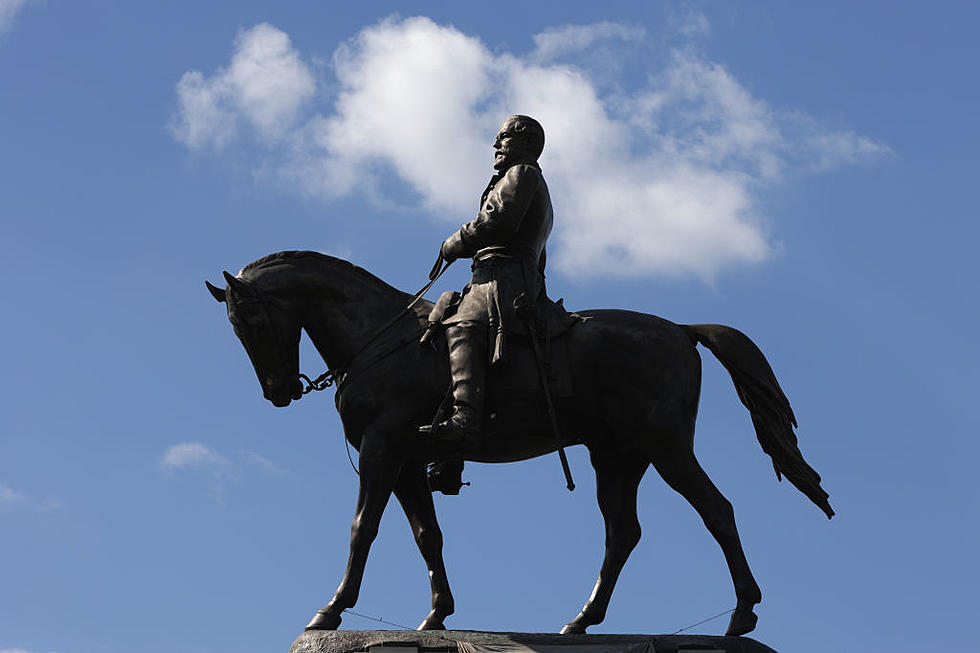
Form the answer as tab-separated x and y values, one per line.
543	375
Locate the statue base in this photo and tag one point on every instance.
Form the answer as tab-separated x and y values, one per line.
472	641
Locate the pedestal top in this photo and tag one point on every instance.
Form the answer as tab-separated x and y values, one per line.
471	641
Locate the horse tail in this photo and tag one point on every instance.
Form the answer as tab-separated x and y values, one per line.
771	413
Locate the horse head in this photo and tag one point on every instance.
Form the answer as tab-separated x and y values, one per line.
269	330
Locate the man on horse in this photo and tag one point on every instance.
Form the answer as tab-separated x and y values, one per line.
506	241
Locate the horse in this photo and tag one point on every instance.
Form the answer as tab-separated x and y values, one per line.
636	380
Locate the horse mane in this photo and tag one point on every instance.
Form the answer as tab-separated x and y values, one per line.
324	260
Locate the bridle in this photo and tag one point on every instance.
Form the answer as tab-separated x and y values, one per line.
257	299
340	374
321	382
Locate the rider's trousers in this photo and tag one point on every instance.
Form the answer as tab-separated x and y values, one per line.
467	343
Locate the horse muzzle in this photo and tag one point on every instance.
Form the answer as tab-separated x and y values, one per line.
282	394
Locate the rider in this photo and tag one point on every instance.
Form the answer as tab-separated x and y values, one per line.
506	241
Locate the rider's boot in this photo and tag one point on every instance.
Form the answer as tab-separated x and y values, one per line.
468	366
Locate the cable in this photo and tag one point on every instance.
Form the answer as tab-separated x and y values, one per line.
353	466
392	623
379	620
704	621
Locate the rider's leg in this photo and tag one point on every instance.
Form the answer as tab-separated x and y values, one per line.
468	365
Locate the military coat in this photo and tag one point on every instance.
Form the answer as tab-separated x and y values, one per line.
506	241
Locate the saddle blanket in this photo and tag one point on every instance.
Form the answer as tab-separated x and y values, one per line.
518	377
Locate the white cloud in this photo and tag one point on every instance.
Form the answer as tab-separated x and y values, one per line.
656	179
690	22
11	498
266	83
832	149
215	467
557	41
198	455
8	10
191	454
696	111
409	98
253	458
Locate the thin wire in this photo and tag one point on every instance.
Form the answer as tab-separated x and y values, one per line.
392	623
365	616
704	621
351	459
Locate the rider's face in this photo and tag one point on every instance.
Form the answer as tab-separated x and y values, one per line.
509	146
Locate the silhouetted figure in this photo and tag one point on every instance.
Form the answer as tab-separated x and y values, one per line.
506	241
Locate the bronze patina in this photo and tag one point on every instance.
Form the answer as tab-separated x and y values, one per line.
639	381
506	241
636	381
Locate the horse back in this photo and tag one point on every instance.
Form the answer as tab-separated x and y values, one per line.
608	341
634	372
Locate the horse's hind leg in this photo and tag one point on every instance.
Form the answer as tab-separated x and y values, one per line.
684	474
617	477
412	491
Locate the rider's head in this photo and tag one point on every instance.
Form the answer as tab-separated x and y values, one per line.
520	140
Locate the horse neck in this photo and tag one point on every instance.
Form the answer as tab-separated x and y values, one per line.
345	309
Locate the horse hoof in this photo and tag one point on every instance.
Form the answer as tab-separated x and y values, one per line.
743	621
323	620
433	620
573	629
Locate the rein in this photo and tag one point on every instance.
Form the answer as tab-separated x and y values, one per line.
330	377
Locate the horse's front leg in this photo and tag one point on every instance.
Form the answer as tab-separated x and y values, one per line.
413	493
378	476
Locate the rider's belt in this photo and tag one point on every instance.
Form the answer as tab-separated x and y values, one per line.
489	268
506	252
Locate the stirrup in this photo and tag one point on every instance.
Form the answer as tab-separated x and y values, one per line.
446	477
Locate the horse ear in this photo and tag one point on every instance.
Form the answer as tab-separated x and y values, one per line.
239	286
217	293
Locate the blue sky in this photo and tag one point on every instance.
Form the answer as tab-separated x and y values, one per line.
805	173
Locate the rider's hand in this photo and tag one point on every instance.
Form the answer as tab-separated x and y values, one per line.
445	252
453	248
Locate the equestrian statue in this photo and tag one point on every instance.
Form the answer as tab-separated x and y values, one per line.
502	374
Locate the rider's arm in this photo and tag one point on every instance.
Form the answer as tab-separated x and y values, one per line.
499	217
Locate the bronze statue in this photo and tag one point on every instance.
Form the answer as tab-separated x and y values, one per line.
506	241
636	381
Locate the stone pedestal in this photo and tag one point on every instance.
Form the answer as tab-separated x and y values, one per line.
470	641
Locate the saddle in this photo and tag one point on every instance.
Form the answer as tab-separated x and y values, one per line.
517	377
